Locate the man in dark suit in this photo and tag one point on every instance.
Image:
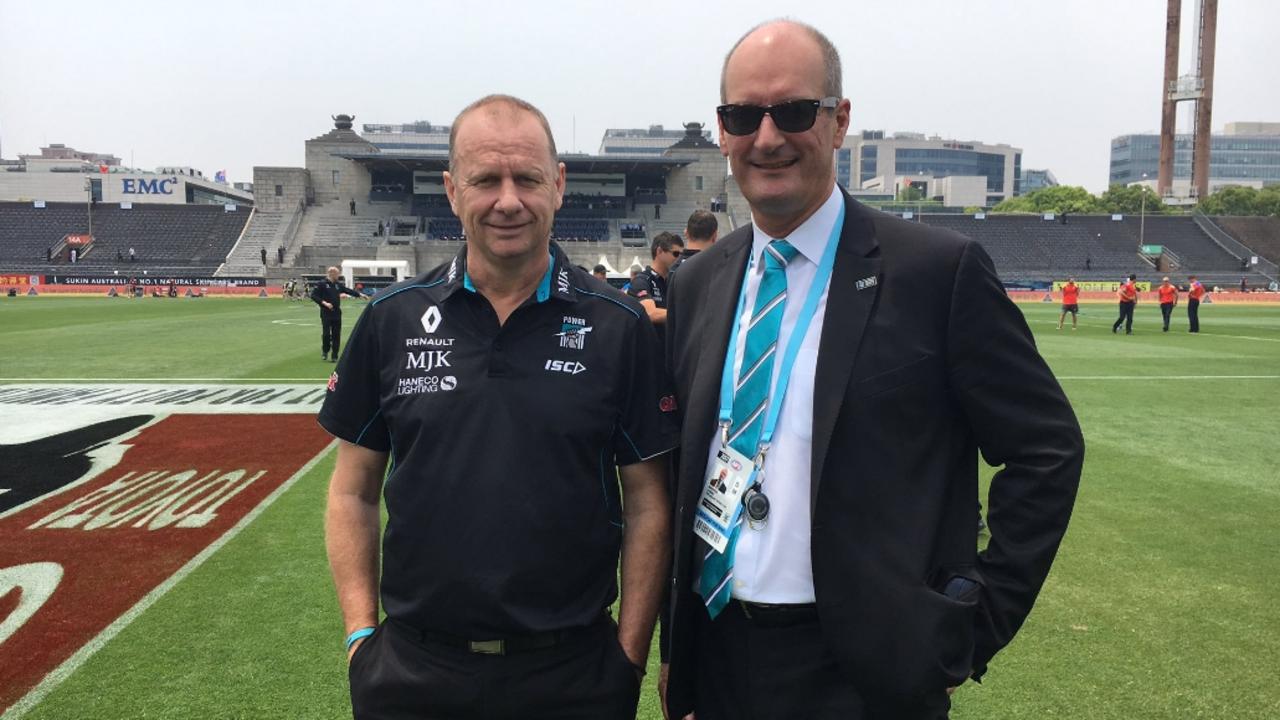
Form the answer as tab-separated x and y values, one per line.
870	361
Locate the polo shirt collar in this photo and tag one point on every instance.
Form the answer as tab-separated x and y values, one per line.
556	281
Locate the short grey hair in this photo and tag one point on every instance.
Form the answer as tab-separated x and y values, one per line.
499	99
833	82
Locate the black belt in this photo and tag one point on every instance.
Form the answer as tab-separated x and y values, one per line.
777	615
499	646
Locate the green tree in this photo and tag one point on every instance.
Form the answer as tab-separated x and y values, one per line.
1239	200
1128	200
1057	199
910	193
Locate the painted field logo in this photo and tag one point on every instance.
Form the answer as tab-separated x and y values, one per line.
93	519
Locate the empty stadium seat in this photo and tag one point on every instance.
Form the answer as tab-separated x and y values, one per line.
172	236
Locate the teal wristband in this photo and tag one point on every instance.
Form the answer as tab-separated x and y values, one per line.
357	635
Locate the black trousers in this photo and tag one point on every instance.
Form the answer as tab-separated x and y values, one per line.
330	333
1166	311
1126	317
1193	315
395	675
755	668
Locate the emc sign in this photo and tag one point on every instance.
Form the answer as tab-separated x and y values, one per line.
142	186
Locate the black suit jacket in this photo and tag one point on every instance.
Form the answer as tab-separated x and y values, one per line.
923	362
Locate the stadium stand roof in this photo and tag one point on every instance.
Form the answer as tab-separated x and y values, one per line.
574	163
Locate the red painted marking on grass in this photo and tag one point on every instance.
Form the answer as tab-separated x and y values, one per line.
108	563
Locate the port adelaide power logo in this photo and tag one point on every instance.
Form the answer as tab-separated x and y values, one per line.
573	333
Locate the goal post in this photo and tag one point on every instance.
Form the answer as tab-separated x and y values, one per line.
349	268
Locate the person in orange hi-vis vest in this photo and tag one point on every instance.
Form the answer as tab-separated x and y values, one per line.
1168	298
1128	295
1070	303
1195	292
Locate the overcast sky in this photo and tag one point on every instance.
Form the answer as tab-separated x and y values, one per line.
230	84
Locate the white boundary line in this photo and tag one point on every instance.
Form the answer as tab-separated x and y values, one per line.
73	663
1169	377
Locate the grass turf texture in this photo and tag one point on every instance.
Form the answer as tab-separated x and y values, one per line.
1161	604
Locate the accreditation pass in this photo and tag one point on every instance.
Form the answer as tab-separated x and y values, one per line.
727	479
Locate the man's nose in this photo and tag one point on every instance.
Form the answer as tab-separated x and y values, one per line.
768	137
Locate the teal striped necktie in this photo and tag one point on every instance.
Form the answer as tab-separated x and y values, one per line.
750	401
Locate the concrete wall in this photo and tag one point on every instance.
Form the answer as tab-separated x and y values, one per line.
960	190
293	182
682	183
353	181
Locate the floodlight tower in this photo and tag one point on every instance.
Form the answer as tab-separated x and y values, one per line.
1196	88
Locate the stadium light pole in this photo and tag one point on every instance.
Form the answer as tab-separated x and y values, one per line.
1142	216
88	203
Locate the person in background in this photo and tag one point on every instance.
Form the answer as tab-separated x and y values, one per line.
328	295
1168	299
700	233
650	286
1128	297
1195	292
600	273
635	272
1070	303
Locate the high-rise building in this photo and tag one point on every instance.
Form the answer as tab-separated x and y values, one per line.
872	159
1245	153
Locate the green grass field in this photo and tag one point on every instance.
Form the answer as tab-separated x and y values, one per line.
1162	604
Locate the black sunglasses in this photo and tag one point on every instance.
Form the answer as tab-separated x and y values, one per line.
793	116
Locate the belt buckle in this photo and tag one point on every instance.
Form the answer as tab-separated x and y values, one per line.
488	647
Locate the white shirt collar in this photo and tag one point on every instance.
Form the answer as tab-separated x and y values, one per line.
812	235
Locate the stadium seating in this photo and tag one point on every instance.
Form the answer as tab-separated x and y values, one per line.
1029	247
430	205
1259	234
444	228
1196	251
578	205
189	237
578	230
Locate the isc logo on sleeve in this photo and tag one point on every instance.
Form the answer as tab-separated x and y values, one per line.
570	367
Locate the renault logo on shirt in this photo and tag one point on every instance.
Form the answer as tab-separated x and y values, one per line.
569	367
431	319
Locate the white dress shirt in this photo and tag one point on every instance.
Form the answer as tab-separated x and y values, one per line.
772	563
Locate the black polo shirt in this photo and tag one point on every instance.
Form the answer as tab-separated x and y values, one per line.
649	285
503	502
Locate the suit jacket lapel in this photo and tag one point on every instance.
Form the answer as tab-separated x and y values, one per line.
715	320
849	306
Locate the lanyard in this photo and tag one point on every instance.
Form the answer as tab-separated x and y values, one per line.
807	311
